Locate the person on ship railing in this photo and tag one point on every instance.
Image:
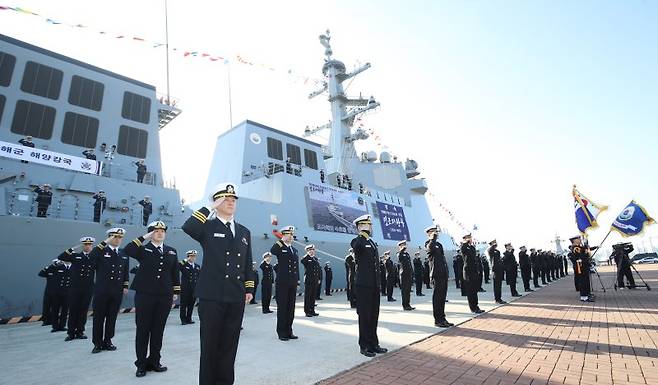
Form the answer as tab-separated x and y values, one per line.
27	142
89	154
44	199
147	209
100	203
141	171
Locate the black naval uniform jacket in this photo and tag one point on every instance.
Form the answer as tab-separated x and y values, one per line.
496	263
288	261
390	270
510	267
82	270
268	273
158	273
226	274
44	198
366	258
111	270
328	274
406	268
311	269
470	263
524	261
350	270
438	264
58	278
189	276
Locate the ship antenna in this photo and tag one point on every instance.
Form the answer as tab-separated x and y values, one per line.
167	47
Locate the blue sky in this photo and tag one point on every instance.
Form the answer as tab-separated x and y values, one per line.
504	104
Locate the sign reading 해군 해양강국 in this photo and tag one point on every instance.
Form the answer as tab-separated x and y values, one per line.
333	209
394	225
50	158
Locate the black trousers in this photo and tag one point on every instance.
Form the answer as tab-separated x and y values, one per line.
566	269
390	284
405	291
383	285
310	289
253	299
318	289
145	218
419	284
497	286
42	210
327	286
525	276
151	312
584	284
220	334
59	309
106	308
535	277
625	272
367	308
457	278
472	288
486	275
140	177
285	308
45	309
439	300
79	300
187	301
511	282
266	296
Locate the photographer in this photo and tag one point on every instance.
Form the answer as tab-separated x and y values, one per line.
620	254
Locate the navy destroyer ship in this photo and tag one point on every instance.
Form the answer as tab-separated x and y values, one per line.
68	107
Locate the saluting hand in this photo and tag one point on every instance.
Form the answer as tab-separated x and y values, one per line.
148	236
109	239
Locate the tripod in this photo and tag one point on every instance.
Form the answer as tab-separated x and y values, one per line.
641	279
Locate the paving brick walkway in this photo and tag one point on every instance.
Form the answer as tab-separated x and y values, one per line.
548	337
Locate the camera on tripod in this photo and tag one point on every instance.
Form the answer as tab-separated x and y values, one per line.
625	247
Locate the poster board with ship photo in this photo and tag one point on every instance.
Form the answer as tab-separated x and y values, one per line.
333	209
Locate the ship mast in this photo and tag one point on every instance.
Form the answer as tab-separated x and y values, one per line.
344	110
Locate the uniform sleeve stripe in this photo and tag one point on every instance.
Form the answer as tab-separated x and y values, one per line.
137	242
249	284
199	216
176	287
197	212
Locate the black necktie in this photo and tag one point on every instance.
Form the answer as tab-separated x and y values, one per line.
230	232
159	249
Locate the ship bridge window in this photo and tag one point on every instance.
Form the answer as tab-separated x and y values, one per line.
136	107
33	119
311	159
132	142
41	80
80	130
293	154
7	63
86	93
274	148
2	106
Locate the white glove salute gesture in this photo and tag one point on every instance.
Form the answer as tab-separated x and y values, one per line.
148	236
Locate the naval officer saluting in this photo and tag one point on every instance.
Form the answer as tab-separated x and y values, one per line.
111	278
287	279
156	285
225	285
367	286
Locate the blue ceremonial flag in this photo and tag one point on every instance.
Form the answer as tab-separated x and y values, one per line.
631	220
586	211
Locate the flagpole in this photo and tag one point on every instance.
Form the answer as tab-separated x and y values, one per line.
600	244
168	101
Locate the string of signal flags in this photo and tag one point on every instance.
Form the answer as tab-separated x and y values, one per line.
185	53
630	222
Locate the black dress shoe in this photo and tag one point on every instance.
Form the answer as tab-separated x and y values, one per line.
501	302
81	336
292	337
367	353
329	295
309	315
379	350
420	295
392	300
318	299
108	346
409	308
315	314
284	338
141	372
443	324
69	338
184	322
478	311
517	295
158	368
96	349
528	290
191	322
